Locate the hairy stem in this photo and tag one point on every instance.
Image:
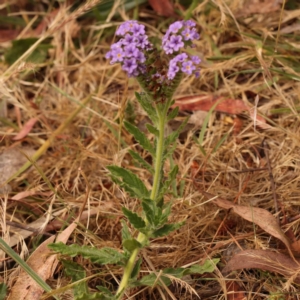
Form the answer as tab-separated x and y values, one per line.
142	238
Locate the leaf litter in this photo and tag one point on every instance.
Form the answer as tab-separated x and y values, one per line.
235	58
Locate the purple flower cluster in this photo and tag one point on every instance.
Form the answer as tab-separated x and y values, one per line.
179	35
182	62
131	52
130	49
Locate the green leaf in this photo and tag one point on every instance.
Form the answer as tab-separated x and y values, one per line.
149	208
171	140
173	114
136	221
220	142
3	291
151	280
146	104
168	182
100	256
131	245
131	183
152	129
136	269
166	229
125	231
204	126
141	161
140	137
76	272
20	46
96	296
166	212
208	267
176	272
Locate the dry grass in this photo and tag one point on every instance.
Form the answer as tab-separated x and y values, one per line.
239	61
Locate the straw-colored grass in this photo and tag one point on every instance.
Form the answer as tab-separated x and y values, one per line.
244	55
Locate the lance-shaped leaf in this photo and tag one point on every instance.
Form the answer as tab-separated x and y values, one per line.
149	280
173	114
166	229
131	245
77	273
141	161
146	104
168	182
131	182
140	137
136	270
100	256
149	207
152	129
136	221
174	135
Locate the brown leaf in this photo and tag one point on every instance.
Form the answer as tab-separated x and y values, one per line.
10	161
8	35
229	106
259	216
259	7
163	8
205	102
264	260
43	263
234	291
26	129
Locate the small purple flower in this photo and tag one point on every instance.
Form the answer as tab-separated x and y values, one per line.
128	39
138	29
130	66
130	49
195	59
190	23
117	55
185	30
126	27
181	57
173	70
174	28
141	57
176	42
188	67
182	62
142	41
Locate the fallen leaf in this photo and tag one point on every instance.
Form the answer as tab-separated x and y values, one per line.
10	161
163	8
8	35
264	260
205	102
43	263
259	7
261	217
25	129
234	291
296	247
229	106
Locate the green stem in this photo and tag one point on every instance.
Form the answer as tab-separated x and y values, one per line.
159	152
162	117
